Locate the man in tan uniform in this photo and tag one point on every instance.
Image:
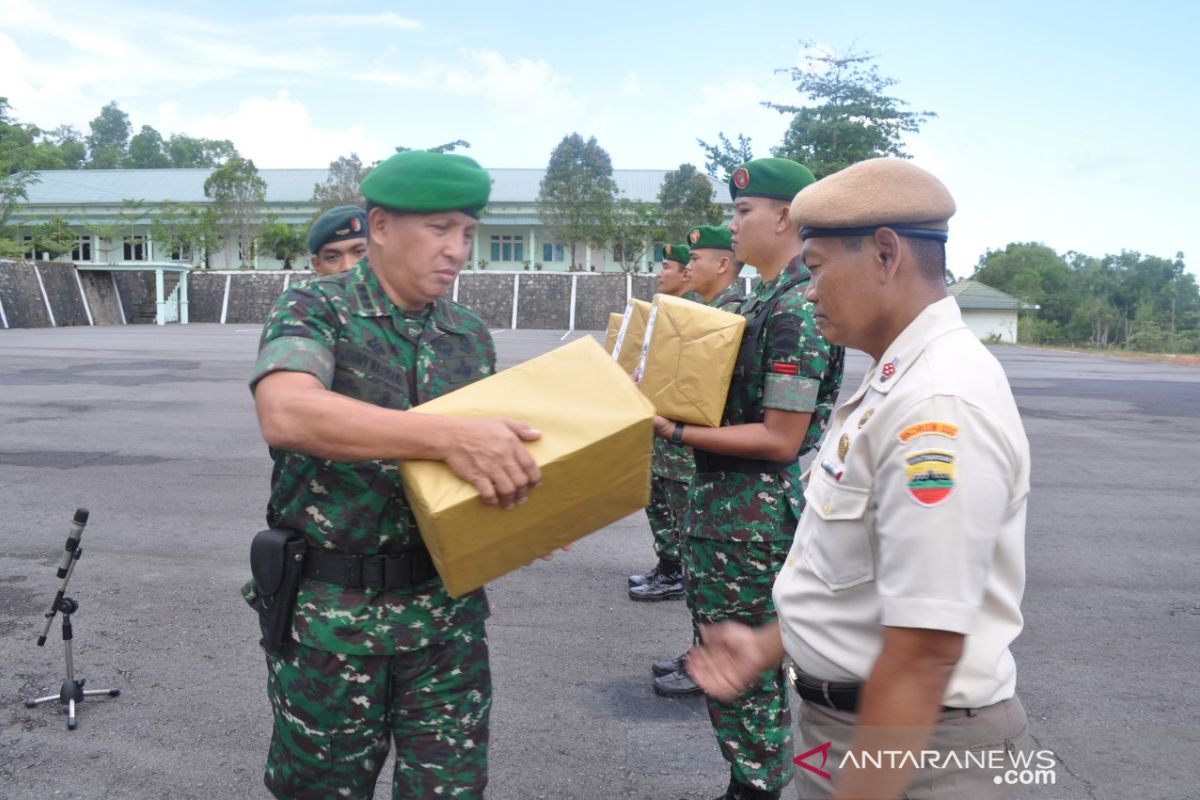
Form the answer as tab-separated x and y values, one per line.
901	593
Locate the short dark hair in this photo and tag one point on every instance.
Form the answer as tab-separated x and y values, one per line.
930	255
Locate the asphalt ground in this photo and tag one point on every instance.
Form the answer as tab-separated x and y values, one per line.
152	429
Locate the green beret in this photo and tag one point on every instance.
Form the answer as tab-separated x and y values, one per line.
335	225
879	192
710	237
422	182
677	252
780	178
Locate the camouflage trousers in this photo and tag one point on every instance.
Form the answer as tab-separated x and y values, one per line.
731	581
335	714
668	500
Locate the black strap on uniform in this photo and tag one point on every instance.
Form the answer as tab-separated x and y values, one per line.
747	353
382	573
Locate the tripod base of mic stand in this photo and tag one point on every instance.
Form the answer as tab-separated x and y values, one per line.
72	692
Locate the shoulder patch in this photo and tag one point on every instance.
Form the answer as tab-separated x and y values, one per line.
930	475
947	429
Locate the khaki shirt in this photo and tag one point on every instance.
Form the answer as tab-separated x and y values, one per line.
915	515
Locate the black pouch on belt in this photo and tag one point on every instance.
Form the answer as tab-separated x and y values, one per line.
277	564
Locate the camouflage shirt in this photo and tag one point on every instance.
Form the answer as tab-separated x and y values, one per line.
344	330
794	369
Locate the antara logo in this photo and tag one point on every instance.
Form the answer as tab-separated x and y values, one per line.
824	751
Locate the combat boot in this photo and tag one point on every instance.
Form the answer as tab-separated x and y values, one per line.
666	585
665	666
739	791
676	684
643	577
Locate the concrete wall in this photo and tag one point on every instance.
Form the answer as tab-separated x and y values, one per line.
544	300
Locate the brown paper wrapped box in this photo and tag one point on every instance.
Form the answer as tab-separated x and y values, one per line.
594	455
689	353
610	335
628	349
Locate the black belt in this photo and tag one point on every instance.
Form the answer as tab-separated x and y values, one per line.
383	573
832	694
712	462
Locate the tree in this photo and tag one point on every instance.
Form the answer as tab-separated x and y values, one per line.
847	117
724	157
16	169
341	184
55	238
685	199
448	147
1034	273
631	225
190	152
284	241
577	193
147	150
108	143
238	193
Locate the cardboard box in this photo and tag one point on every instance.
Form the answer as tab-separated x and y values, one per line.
610	335
594	455
689	353
628	349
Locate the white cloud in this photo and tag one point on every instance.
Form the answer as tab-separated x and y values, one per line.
631	85
369	21
279	132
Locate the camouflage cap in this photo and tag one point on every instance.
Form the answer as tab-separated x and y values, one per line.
424	182
778	178
335	225
677	252
711	237
872	194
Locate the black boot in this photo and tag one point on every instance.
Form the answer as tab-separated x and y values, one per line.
643	577
665	666
676	684
740	791
666	585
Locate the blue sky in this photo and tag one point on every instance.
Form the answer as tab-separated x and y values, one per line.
1073	124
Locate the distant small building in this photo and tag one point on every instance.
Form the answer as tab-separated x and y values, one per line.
988	312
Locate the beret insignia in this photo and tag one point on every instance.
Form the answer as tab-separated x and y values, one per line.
694	236
741	177
355	224
667	249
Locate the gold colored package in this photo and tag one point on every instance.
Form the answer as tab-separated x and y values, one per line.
594	454
689	353
610	335
628	349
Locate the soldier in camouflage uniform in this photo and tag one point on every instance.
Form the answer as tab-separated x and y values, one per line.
338	240
671	471
379	650
714	282
746	497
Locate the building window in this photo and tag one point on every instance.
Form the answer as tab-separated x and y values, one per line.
136	249
553	252
182	251
83	249
508	248
618	252
30	254
659	252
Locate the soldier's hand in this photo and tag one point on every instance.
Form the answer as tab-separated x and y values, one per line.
663	427
490	454
728	661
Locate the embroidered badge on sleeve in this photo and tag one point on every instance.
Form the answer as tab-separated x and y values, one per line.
930	476
947	429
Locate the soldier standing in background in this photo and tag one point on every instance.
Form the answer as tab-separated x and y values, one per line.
746	496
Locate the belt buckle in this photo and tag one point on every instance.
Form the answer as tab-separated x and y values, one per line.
351	571
373	572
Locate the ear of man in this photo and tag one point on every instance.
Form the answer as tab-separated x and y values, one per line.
889	256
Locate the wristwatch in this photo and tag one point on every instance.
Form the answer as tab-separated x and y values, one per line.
677	434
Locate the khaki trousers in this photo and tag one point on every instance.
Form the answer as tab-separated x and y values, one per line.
974	748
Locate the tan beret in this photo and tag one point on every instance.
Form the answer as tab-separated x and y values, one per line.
873	194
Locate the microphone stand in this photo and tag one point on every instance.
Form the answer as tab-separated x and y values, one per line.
72	690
